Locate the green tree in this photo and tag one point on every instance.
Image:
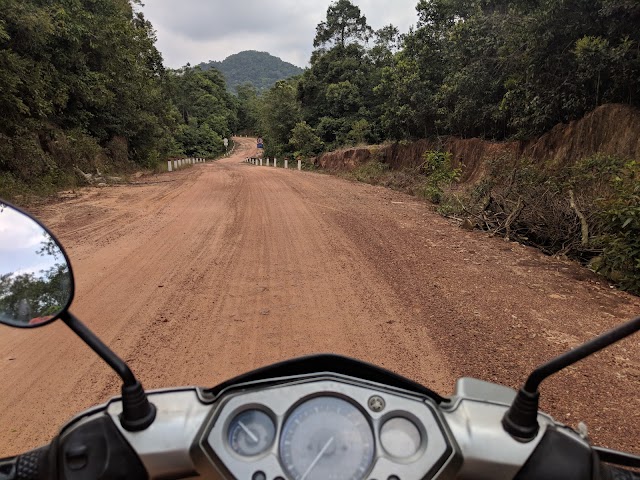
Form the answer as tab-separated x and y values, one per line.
344	24
279	114
209	112
304	140
248	110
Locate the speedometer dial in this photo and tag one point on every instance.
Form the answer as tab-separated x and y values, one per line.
251	433
326	438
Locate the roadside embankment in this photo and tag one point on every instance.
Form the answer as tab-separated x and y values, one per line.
611	129
574	191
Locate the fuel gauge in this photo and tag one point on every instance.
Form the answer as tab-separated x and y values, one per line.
251	433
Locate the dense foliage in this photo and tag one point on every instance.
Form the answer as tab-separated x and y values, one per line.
28	297
83	86
208	112
259	69
511	68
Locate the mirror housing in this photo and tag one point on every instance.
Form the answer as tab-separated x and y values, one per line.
36	281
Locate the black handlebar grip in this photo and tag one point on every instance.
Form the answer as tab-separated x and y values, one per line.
33	465
615	473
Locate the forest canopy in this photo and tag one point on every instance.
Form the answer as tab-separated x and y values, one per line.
83	86
259	69
470	68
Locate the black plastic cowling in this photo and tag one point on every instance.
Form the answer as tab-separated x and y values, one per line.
609	472
96	450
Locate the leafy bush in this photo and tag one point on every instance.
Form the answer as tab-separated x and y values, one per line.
305	141
617	215
440	174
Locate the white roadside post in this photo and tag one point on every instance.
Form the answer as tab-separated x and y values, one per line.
260	162
299	164
267	161
275	162
169	166
286	163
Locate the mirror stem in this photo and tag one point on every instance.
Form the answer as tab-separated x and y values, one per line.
521	420
88	337
137	412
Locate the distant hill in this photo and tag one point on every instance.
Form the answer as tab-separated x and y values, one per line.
258	68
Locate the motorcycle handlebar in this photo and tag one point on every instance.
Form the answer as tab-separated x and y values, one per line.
33	465
610	472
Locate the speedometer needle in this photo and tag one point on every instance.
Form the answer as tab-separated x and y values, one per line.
252	436
317	459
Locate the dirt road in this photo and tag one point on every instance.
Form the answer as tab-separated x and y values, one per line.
198	275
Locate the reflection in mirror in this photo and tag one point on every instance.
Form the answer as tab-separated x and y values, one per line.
35	279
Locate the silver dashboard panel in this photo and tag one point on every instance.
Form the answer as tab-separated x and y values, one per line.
475	419
437	454
164	447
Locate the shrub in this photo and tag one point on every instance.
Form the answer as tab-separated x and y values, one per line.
370	172
440	174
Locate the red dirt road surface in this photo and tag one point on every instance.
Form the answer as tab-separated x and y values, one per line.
202	274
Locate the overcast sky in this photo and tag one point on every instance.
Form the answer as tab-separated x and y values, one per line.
197	31
20	240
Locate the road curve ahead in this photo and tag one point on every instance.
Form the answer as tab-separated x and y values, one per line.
201	274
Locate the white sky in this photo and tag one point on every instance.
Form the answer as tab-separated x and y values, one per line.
194	31
20	240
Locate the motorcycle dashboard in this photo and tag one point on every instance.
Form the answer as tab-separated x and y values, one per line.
324	427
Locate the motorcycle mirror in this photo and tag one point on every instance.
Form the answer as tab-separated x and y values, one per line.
36	288
36	282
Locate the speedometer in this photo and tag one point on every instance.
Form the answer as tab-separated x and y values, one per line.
326	438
